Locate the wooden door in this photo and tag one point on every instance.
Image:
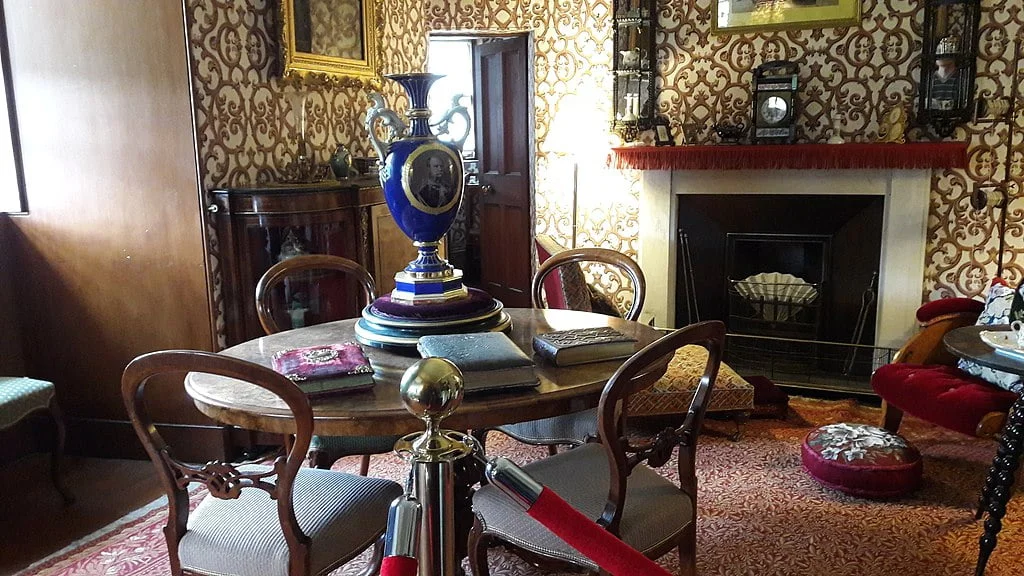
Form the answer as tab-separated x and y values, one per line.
503	121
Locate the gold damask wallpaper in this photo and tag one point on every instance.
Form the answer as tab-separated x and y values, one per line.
246	126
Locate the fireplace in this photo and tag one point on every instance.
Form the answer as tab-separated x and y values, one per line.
852	224
793	277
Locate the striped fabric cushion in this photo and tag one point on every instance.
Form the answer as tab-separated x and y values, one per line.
341	513
337	446
21	396
656	510
565	429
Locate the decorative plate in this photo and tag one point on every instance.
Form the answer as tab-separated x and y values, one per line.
1003	341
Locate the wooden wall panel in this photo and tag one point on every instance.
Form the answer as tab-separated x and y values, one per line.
11	363
111	257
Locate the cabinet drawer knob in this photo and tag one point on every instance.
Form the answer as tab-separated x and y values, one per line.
487	189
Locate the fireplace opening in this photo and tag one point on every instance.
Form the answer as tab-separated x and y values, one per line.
776	283
794	279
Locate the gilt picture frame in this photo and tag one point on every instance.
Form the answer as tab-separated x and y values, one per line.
302	50
737	16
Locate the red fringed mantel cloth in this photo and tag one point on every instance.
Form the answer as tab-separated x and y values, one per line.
857	156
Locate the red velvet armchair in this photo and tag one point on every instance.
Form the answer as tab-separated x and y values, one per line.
923	379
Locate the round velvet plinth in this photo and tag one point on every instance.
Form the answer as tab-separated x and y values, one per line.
861	460
397	326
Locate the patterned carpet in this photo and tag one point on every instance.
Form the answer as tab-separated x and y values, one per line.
759	513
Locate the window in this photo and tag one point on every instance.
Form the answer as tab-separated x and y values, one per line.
11	196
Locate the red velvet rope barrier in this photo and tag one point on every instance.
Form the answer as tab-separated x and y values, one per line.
398	566
611	554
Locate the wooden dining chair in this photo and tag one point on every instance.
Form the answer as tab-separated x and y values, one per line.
257	519
614	481
578	427
324	450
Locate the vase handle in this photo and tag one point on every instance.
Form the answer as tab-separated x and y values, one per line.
442	126
392	122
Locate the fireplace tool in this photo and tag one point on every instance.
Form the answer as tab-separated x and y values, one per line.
420	538
867	298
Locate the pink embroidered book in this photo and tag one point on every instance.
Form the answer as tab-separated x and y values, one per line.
326	369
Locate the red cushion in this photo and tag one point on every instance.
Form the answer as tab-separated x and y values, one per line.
937	308
942	395
553	283
862	460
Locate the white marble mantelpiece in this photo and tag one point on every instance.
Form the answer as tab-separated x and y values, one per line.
904	230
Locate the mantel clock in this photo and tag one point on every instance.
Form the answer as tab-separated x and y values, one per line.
775	104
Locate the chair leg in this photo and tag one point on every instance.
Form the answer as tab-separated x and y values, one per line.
376	559
364	465
687	551
58	453
739	419
318	459
477	549
891	417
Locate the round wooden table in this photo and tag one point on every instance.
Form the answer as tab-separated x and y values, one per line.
966	343
380	411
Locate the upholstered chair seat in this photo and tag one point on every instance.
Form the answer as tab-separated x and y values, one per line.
20	397
940	394
340	513
563	430
658	510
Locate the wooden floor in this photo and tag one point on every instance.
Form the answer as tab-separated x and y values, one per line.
33	521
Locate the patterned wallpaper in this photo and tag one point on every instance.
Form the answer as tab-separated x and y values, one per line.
246	125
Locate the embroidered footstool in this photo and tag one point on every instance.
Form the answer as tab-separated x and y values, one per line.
862	460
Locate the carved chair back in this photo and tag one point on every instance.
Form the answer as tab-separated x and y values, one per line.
602	255
277	273
223	480
642	370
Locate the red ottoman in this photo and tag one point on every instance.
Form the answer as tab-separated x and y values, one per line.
861	460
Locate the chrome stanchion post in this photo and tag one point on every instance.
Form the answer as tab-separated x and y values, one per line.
431	390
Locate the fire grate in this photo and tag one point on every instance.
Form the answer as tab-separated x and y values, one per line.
802	363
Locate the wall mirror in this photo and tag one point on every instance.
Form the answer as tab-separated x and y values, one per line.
332	40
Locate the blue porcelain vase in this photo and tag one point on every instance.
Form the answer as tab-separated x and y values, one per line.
421	176
422	179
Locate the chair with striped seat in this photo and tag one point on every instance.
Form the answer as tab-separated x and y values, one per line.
275	518
614	482
21	397
315	269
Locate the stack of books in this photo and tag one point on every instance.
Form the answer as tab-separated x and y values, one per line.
583	345
488	361
325	370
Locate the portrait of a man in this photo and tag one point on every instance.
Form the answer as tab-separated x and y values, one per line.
437	189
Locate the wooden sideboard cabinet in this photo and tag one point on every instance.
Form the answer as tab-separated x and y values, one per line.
259	226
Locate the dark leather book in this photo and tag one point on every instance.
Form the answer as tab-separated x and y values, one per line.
489	360
322	370
583	345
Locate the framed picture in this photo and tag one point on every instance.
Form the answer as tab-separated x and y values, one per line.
756	15
662	132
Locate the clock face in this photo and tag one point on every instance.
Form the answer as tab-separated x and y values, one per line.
774	109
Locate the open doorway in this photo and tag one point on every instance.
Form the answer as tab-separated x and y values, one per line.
492	235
